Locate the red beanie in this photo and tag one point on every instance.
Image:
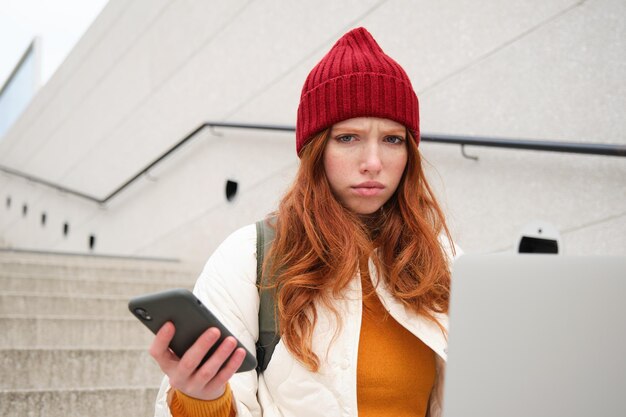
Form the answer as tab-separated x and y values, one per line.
355	79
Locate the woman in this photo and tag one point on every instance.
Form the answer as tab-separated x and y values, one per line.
358	259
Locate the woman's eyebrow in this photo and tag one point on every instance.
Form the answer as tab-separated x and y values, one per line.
396	131
347	129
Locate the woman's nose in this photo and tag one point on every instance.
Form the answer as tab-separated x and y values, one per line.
371	158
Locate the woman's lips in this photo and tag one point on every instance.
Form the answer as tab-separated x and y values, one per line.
368	188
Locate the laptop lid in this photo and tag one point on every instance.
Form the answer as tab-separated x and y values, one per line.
537	335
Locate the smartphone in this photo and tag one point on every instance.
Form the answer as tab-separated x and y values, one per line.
190	317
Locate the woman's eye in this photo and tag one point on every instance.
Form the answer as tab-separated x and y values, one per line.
346	138
394	139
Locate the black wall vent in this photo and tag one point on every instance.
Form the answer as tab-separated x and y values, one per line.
536	245
231	190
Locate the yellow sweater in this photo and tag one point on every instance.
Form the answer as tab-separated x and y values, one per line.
395	371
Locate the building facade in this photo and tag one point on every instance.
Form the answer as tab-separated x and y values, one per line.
148	73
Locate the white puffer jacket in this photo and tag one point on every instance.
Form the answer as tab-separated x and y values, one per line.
227	286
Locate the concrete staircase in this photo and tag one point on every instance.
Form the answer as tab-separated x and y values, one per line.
68	344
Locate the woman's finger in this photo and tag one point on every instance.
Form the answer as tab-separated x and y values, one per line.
159	349
194	355
228	370
213	365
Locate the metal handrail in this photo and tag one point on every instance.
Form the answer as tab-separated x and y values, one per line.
535	145
549	146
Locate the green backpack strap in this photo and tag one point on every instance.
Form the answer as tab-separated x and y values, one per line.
268	330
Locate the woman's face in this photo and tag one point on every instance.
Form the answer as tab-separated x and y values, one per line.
364	160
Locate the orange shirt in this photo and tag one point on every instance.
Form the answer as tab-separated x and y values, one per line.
184	406
395	369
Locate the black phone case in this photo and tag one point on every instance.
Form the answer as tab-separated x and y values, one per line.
190	317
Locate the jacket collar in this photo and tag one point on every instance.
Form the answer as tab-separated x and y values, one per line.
425	329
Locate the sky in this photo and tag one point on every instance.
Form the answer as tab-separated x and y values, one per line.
59	24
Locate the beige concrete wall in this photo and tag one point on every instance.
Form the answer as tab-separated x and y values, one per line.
149	72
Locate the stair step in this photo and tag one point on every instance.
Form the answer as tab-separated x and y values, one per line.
30	284
90	260
20	331
62	266
105	402
76	368
55	304
63	305
100	272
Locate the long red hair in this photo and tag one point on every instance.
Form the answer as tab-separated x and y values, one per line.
319	244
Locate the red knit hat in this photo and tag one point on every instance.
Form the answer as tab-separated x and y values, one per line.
355	79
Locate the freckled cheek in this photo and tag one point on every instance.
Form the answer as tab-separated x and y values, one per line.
398	169
336	171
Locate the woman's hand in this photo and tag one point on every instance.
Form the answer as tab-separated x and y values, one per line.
207	382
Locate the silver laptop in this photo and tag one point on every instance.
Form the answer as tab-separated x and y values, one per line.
537	335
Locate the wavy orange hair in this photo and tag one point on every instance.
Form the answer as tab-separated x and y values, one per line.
319	244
